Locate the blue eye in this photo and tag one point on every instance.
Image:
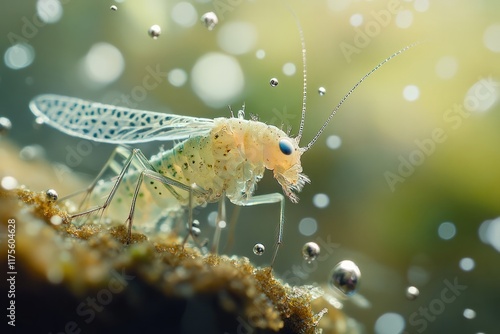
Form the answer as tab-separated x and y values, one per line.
286	146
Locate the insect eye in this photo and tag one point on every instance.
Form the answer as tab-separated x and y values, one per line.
286	146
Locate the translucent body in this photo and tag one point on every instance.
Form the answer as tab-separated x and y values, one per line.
229	160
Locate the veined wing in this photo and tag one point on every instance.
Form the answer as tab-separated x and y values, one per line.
112	124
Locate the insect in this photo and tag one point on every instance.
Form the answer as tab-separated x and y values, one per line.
215	158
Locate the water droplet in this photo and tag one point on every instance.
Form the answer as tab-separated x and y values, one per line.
345	277
321	91
404	18
469	313
260	54
56	220
491	37
467	264
210	20
52	195
356	20
217	78
259	249
333	142
289	69
321	200
177	77
390	323
195	231
412	293
237	38
411	93
39	121
308	226
19	56
8	183
273	82
310	251
5	126
446	67
154	31
421	5
103	64
49	11
184	14
447	230
32	152
113	8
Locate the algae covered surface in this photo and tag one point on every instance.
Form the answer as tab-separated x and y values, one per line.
85	278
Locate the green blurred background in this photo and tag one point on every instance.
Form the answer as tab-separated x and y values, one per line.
389	228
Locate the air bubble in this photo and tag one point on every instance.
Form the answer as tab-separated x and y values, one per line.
210	20
321	91
469	313
5	126
19	56
310	251
184	14
308	226
177	77
321	200
52	195
259	249
356	20
114	8
333	142
154	31
411	93
32	152
447	230
273	82
56	220
412	293
345	277
260	54
467	264
8	183
289	69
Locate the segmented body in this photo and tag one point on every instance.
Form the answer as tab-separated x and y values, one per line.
228	161
224	156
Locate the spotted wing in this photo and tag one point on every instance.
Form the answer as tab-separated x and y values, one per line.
112	124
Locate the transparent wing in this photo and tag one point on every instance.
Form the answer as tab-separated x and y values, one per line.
112	124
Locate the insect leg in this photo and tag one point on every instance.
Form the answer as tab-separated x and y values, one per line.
111	164
221	217
267	199
150	172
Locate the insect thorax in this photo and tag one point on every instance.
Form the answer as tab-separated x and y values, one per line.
228	160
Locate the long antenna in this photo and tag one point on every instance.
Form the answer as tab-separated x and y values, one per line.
304	74
334	111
